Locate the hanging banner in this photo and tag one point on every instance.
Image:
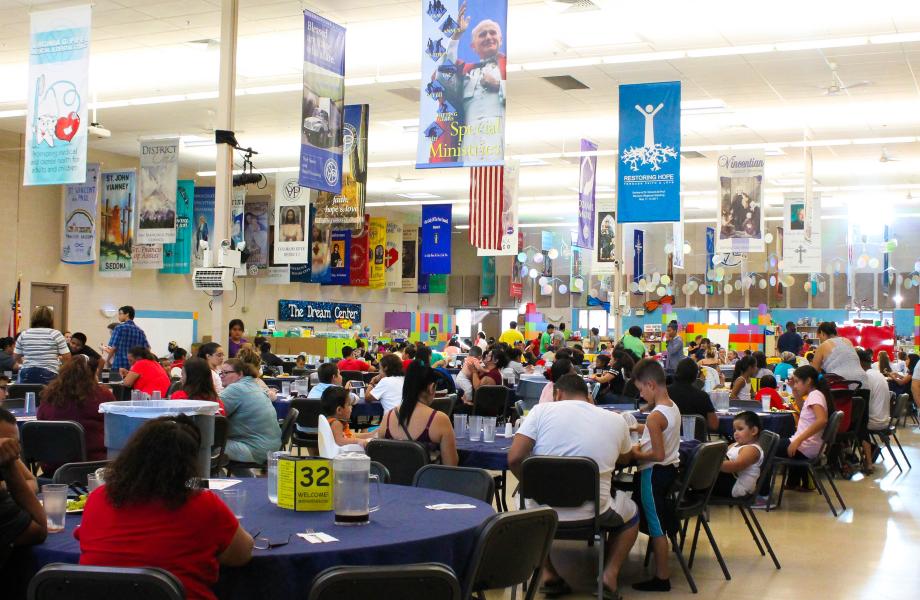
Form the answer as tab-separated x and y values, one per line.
320	250
509	212
437	284
57	120
677	246
741	209
801	253
203	216
710	252
487	283
377	246
886	262
435	239
579	269
340	257
237	209
394	259
300	273
518	272
255	233
117	220
346	209
147	256
462	97
638	254
648	174
605	253
291	217
410	258
587	183
360	266
177	257
81	205
278	275
156	203
323	104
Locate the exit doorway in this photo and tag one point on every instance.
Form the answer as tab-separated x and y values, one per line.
52	295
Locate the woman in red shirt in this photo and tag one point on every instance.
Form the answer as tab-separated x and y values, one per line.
146	374
74	395
146	515
197	383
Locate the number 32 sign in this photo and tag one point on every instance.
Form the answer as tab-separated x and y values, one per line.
305	483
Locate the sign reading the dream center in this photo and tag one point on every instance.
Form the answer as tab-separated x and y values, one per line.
317	312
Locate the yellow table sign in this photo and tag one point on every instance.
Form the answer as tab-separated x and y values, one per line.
304	483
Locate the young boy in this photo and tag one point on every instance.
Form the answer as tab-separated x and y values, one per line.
657	455
336	405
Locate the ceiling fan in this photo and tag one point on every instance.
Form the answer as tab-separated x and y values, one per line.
885	157
837	85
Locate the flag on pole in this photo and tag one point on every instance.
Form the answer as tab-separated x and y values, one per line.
16	312
486	184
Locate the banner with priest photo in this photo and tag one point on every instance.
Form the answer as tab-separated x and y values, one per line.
741	207
292	215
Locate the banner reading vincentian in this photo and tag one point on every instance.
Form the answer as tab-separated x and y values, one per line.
410	258
57	120
323	104
340	257
156	202
462	108
203	218
346	209
648	171
605	252
117	223
435	239
81	205
587	184
377	245
360	267
292	215
741	209
393	259
177	256
255	233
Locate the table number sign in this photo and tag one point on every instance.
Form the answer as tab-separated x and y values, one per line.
304	483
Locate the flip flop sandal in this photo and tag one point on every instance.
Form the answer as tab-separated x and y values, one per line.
555	588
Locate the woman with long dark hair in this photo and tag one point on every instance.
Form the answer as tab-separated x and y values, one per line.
148	515
147	374
197	383
213	353
415	420
745	369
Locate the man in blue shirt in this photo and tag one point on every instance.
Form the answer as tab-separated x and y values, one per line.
125	336
675	348
790	341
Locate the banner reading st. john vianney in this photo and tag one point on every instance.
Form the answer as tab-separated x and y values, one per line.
81	202
323	104
117	223
462	109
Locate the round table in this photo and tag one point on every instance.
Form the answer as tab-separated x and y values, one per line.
780	423
403	531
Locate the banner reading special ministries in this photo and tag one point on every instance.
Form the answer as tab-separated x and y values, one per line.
462	109
587	184
347	208
117	223
741	210
156	203
435	239
57	119
323	104
177	257
648	174
81	202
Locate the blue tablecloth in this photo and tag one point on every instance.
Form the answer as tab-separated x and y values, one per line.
403	531
783	424
374	409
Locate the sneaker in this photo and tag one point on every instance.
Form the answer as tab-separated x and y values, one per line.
761	503
653	585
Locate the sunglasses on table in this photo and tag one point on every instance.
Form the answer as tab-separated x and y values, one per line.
263	543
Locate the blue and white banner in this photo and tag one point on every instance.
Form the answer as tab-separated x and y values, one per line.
638	254
177	257
587	183
648	174
710	252
340	257
323	104
317	312
435	242
462	108
56	120
81	205
677	246
203	218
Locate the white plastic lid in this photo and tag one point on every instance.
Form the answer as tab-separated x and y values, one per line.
151	409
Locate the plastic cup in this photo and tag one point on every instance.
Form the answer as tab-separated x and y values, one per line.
29	402
475	428
93	481
488	429
273	475
235	499
286	388
54	497
156	395
765	403
460	426
687	428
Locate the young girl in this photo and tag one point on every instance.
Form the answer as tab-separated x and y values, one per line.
336	405
768	389
815	404
657	455
745	369
741	467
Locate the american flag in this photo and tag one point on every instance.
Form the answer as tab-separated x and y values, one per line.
486	194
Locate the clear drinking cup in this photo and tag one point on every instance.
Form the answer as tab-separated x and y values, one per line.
475	428
488	429
29	405
93	481
273	475
54	497
235	499
286	388
460	426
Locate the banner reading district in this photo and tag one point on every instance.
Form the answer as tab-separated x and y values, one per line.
648	173
462	108
323	104
156	203
81	202
57	120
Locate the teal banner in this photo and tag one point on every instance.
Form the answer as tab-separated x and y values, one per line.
177	257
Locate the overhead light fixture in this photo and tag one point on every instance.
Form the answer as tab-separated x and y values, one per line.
418	196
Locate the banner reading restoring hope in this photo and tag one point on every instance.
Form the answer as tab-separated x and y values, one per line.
648	174
462	109
117	223
323	104
80	210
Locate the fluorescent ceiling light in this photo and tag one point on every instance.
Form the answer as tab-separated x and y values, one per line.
820	44
533	225
417	196
532	162
730	50
895	38
564	63
643	57
385	164
413	203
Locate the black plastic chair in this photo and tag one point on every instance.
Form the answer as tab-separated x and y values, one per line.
219	446
403	458
884	436
352	376
769	442
287	427
308	414
14	403
380	471
850	441
815	465
490	400
428	581
567	482
445	404
76	472
52	443
173	387
475	483
19	390
692	500
78	582
510	550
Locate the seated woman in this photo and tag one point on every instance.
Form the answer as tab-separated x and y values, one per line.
74	395
254	430
214	354
745	369
197	384
491	371
415	420
743	459
899	383
561	367
146	374
788	364
248	355
147	514
336	407
386	387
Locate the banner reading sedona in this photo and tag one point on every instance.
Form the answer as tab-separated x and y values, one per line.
462	108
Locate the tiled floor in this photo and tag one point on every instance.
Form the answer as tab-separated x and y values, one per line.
870	551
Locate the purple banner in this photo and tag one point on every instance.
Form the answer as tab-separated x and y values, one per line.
587	181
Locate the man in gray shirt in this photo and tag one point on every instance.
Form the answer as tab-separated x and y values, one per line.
675	348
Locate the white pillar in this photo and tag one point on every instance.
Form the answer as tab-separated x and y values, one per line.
223	184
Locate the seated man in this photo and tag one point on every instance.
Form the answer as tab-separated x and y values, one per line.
350	363
22	518
573	426
690	399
